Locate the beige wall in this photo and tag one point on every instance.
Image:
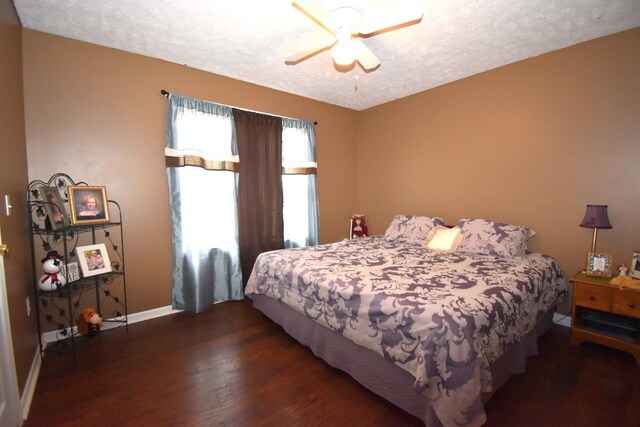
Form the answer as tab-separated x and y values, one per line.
13	182
97	114
530	143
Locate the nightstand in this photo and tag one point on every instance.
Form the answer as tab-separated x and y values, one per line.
606	315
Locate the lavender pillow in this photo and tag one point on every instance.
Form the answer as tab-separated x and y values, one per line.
411	229
484	237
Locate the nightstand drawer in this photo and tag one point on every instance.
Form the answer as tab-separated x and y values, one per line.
626	303
592	296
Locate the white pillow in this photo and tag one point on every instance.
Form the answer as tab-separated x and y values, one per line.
443	239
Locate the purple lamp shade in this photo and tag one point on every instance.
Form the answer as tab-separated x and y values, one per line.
596	217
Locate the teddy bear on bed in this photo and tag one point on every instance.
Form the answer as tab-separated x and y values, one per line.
358	227
89	322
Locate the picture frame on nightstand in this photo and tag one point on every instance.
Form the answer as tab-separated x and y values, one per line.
634	271
599	264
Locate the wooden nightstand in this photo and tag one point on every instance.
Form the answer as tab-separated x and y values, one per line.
606	315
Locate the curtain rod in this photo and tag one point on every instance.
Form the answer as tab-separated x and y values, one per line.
166	94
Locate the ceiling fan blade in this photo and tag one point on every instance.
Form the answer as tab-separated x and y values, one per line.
391	21
365	57
309	51
315	11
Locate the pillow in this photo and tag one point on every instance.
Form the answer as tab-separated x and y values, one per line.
443	239
530	233
411	229
484	237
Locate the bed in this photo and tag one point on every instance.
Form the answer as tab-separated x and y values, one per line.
435	329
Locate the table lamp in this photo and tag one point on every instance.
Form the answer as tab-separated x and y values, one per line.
596	217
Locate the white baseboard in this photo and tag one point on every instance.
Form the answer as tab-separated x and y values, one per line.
562	319
50	337
30	385
151	314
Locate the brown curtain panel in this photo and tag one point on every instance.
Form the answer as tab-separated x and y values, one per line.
260	224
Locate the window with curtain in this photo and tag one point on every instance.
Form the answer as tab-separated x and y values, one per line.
202	161
299	184
240	183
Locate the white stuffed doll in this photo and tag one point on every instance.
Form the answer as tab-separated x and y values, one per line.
53	279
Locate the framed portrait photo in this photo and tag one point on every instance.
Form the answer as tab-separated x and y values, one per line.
634	271
56	212
93	259
88	205
599	264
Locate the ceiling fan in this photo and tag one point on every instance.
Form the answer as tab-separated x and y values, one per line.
346	26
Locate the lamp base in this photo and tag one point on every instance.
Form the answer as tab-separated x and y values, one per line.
593	242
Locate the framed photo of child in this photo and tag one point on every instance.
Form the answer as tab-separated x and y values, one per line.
88	205
93	259
54	206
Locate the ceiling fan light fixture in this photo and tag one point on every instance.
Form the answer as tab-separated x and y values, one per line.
344	53
345	18
345	23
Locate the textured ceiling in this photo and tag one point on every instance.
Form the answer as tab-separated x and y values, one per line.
249	39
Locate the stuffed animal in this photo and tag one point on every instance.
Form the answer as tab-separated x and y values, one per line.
89	322
358	227
52	279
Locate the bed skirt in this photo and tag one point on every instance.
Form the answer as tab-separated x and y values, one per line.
380	375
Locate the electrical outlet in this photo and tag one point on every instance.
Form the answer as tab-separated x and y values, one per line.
28	307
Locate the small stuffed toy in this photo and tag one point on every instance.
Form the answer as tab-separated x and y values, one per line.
358	227
89	322
52	279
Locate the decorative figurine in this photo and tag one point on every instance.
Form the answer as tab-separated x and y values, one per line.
623	269
53	279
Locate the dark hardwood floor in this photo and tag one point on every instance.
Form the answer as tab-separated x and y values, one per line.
232	366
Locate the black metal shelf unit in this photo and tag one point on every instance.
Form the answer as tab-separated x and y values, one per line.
106	292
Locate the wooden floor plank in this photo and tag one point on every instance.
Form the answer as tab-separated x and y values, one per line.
232	366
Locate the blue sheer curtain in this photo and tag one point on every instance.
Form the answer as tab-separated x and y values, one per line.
299	184
201	157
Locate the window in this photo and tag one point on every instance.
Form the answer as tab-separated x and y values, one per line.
299	184
201	162
202	169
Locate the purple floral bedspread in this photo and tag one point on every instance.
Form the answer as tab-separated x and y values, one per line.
443	317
